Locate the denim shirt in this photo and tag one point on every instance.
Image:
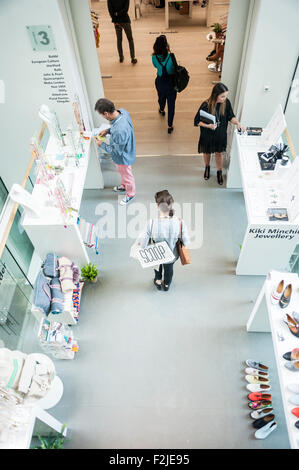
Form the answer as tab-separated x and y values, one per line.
122	146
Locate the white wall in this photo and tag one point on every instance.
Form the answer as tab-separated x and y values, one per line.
24	87
270	60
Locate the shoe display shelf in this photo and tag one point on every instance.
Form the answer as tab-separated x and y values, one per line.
51	231
268	244
266	317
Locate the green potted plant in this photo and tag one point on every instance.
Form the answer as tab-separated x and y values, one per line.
217	28
89	272
52	441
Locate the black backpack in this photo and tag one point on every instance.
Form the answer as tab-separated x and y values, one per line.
180	76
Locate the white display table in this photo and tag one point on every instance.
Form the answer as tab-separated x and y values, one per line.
22	439
267	244
50	233
266	317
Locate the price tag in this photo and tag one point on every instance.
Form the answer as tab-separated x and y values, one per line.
41	38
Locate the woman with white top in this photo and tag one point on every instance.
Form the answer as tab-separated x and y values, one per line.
167	228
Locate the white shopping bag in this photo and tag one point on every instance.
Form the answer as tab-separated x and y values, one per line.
153	255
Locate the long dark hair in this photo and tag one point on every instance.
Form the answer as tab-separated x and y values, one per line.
218	89
165	201
161	46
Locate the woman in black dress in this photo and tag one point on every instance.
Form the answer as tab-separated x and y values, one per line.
213	137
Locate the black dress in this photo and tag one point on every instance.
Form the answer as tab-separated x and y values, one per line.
214	141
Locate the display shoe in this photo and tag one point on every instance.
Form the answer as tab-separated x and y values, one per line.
293	366
264	432
294	387
286	296
219	177
251	371
260	413
255	396
258	388
207	172
294	399
277	293
256	365
297	424
259	423
293	325
295	412
260	404
162	112
292	355
256	379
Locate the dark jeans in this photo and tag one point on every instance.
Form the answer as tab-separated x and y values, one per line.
119	34
168	273
166	92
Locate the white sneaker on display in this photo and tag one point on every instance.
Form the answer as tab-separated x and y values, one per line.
258	388
264	432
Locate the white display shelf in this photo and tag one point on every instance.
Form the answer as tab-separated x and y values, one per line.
51	232
267	244
266	317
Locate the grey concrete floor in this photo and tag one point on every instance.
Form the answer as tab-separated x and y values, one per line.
166	369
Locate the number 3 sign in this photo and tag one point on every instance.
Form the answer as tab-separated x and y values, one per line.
41	38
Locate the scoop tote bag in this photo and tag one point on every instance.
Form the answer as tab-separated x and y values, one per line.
153	254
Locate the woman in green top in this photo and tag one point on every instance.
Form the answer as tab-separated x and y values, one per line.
162	61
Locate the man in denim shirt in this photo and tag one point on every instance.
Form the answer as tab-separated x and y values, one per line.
122	146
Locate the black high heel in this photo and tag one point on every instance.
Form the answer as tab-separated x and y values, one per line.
207	172
219	177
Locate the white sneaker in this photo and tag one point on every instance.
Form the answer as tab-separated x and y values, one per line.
277	293
264	432
261	413
126	200
258	388
251	371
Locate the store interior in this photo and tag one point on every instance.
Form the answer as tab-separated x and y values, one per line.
138	368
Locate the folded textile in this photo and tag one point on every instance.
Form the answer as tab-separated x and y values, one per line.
76	298
57	297
66	274
50	265
42	294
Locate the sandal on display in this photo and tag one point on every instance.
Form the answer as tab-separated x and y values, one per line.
259	396
252	371
293	325
256	379
277	293
292	355
256	365
261	413
286	296
293	366
294	399
264	432
295	412
260	404
259	423
258	388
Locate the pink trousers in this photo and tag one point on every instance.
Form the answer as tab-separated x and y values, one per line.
127	179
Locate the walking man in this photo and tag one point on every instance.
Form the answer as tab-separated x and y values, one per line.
118	10
122	146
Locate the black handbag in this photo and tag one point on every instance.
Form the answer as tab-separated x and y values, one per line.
180	76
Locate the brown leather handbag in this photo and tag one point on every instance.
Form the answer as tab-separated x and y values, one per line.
183	251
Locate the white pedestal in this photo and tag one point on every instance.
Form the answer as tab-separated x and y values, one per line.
266	317
267	244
